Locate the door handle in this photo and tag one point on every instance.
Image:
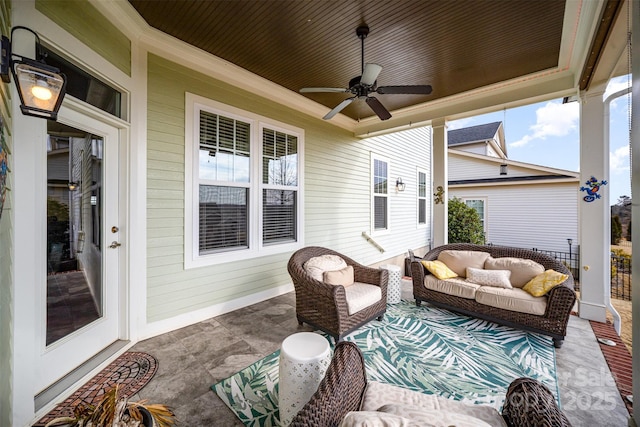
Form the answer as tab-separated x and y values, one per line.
114	244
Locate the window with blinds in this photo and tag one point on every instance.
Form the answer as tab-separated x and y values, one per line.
244	199
279	186
380	194
224	166
422	198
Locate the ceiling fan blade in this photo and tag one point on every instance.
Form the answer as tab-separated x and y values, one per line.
378	108
323	89
338	108
406	90
370	74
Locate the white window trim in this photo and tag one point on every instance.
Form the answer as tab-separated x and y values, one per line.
374	231
192	258
418	198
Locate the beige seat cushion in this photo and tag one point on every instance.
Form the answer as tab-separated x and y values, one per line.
377	395
361	295
409	416
374	418
522	270
458	261
511	299
456	287
316	266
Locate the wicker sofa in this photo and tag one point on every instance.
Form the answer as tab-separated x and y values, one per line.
344	389
559	301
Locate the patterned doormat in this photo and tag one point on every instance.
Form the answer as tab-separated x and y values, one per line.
425	349
131	371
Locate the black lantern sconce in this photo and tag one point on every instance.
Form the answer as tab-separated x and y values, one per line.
41	87
503	169
400	186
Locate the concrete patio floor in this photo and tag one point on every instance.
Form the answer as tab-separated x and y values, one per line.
191	359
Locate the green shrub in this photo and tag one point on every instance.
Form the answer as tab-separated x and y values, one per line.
465	225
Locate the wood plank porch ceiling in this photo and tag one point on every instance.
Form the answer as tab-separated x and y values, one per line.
455	46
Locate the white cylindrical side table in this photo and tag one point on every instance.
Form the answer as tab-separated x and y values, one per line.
304	358
393	286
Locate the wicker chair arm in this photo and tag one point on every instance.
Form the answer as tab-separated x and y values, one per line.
372	276
340	391
560	302
418	273
530	403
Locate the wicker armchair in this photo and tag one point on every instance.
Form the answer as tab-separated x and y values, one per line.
527	401
324	306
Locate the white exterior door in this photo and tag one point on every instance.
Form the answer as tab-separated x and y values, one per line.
79	312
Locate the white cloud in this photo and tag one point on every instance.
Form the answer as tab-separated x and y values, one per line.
619	160
553	119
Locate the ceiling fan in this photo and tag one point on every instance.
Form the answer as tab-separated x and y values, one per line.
362	86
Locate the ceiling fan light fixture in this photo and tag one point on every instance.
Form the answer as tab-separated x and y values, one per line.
370	74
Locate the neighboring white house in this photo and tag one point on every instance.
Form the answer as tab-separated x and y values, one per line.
521	204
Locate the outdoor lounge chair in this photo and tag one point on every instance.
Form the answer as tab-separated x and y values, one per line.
325	306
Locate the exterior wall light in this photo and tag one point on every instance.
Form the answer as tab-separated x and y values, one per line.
73	186
400	186
41	87
503	169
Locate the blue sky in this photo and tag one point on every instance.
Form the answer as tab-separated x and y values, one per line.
548	134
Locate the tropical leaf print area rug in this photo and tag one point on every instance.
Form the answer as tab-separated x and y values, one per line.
425	349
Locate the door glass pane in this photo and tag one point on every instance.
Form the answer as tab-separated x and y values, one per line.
74	230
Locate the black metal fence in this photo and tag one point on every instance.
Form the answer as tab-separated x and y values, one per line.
621	277
569	259
620	271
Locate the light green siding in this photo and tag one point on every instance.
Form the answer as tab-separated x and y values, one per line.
336	194
85	23
6	250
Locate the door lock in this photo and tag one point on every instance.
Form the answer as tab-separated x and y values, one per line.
114	244
114	229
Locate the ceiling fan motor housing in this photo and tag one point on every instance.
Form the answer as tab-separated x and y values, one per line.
362	31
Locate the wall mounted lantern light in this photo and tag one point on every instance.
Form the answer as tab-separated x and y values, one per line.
73	186
503	169
400	186
41	87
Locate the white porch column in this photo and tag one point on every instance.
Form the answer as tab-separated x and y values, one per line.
440	172
635	207
595	216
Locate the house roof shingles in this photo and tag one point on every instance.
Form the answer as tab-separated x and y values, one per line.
474	133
